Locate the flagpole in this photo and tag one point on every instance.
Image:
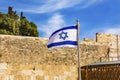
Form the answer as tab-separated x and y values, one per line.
79	68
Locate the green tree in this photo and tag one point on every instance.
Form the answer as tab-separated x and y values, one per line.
11	24
8	24
33	29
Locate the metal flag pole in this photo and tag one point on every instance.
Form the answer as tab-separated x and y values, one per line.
79	68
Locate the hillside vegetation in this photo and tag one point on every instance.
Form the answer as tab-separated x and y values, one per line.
12	24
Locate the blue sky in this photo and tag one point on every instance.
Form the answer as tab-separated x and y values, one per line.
102	16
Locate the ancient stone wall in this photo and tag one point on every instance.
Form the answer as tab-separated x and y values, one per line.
27	58
113	42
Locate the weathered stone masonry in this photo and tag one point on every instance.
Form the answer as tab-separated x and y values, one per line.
27	58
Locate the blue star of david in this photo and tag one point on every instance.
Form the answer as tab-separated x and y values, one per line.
63	35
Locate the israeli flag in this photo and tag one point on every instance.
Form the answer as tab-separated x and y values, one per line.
64	37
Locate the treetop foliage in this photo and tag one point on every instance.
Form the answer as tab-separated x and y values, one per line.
12	24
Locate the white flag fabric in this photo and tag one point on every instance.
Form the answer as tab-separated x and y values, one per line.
64	37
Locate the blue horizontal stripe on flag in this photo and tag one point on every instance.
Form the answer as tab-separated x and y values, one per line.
62	43
65	28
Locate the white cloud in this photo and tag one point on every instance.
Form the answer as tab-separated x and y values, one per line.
58	4
45	6
54	23
87	3
106	29
54	5
113	30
